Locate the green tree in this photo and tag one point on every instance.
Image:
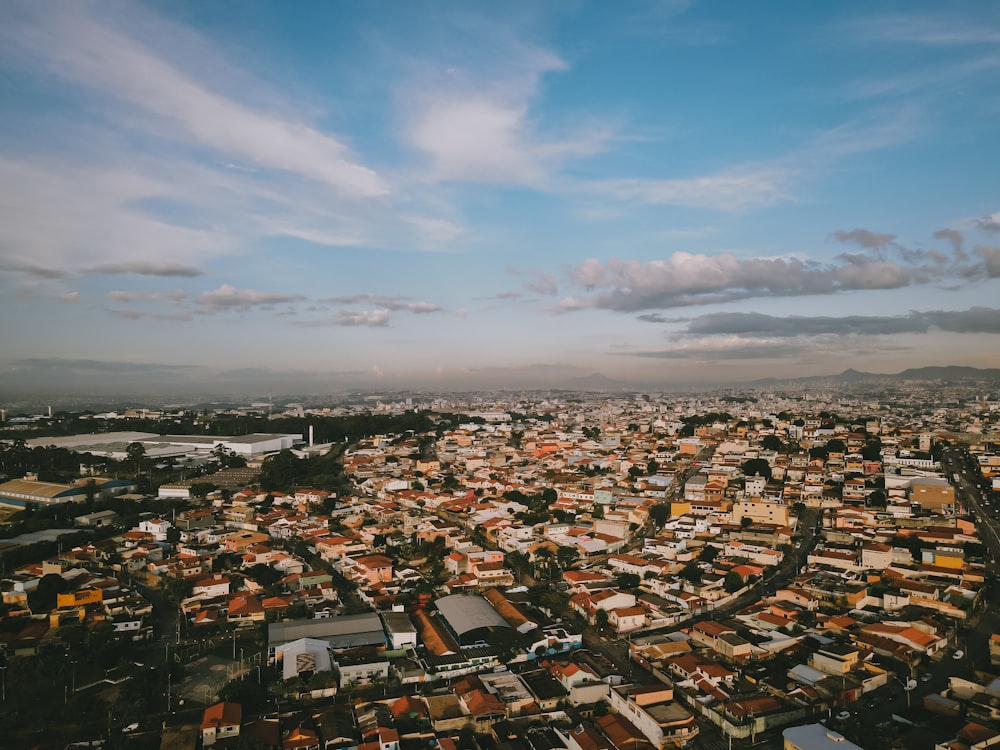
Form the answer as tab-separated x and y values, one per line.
43	598
543	561
135	452
506	640
629	580
566	556
601	619
660	514
732	582
691	572
202	489
771	443
872	450
877	499
757	467
836	445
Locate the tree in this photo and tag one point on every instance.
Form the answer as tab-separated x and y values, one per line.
872	450
601	619
43	598
507	640
877	499
733	582
691	572
543	559
757	467
629	580
771	443
566	556
836	445
517	561
708	553
660	514
135	453
202	489
652	467
90	493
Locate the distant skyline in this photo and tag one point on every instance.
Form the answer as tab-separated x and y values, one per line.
270	197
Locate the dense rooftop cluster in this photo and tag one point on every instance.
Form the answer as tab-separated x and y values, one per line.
539	572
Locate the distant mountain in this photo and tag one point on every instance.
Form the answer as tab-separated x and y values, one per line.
948	373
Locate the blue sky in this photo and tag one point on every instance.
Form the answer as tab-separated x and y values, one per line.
327	195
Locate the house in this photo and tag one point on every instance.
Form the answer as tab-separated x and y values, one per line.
300	738
653	711
220	722
211	586
625	619
156	528
374	568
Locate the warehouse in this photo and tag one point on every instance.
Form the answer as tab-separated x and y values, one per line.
346	631
470	618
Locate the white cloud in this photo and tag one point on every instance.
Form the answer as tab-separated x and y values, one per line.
684	279
735	190
228	297
480	126
434	231
160	97
366	318
174	296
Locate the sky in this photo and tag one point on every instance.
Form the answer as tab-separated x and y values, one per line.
316	196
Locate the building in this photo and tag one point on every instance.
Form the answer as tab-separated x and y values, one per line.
815	737
343	632
653	711
470	618
20	492
220	722
932	493
401	630
305	656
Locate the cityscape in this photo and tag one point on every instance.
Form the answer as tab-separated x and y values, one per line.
443	375
580	570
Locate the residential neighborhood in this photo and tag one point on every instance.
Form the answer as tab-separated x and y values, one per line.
518	571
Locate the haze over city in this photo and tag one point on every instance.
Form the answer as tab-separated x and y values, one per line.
263	196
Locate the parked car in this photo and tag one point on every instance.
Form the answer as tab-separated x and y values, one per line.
925	677
958	655
844	716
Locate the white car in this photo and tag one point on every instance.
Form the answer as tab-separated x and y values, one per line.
958	655
843	716
130	727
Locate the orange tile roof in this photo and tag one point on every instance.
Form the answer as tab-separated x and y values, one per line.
225	714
